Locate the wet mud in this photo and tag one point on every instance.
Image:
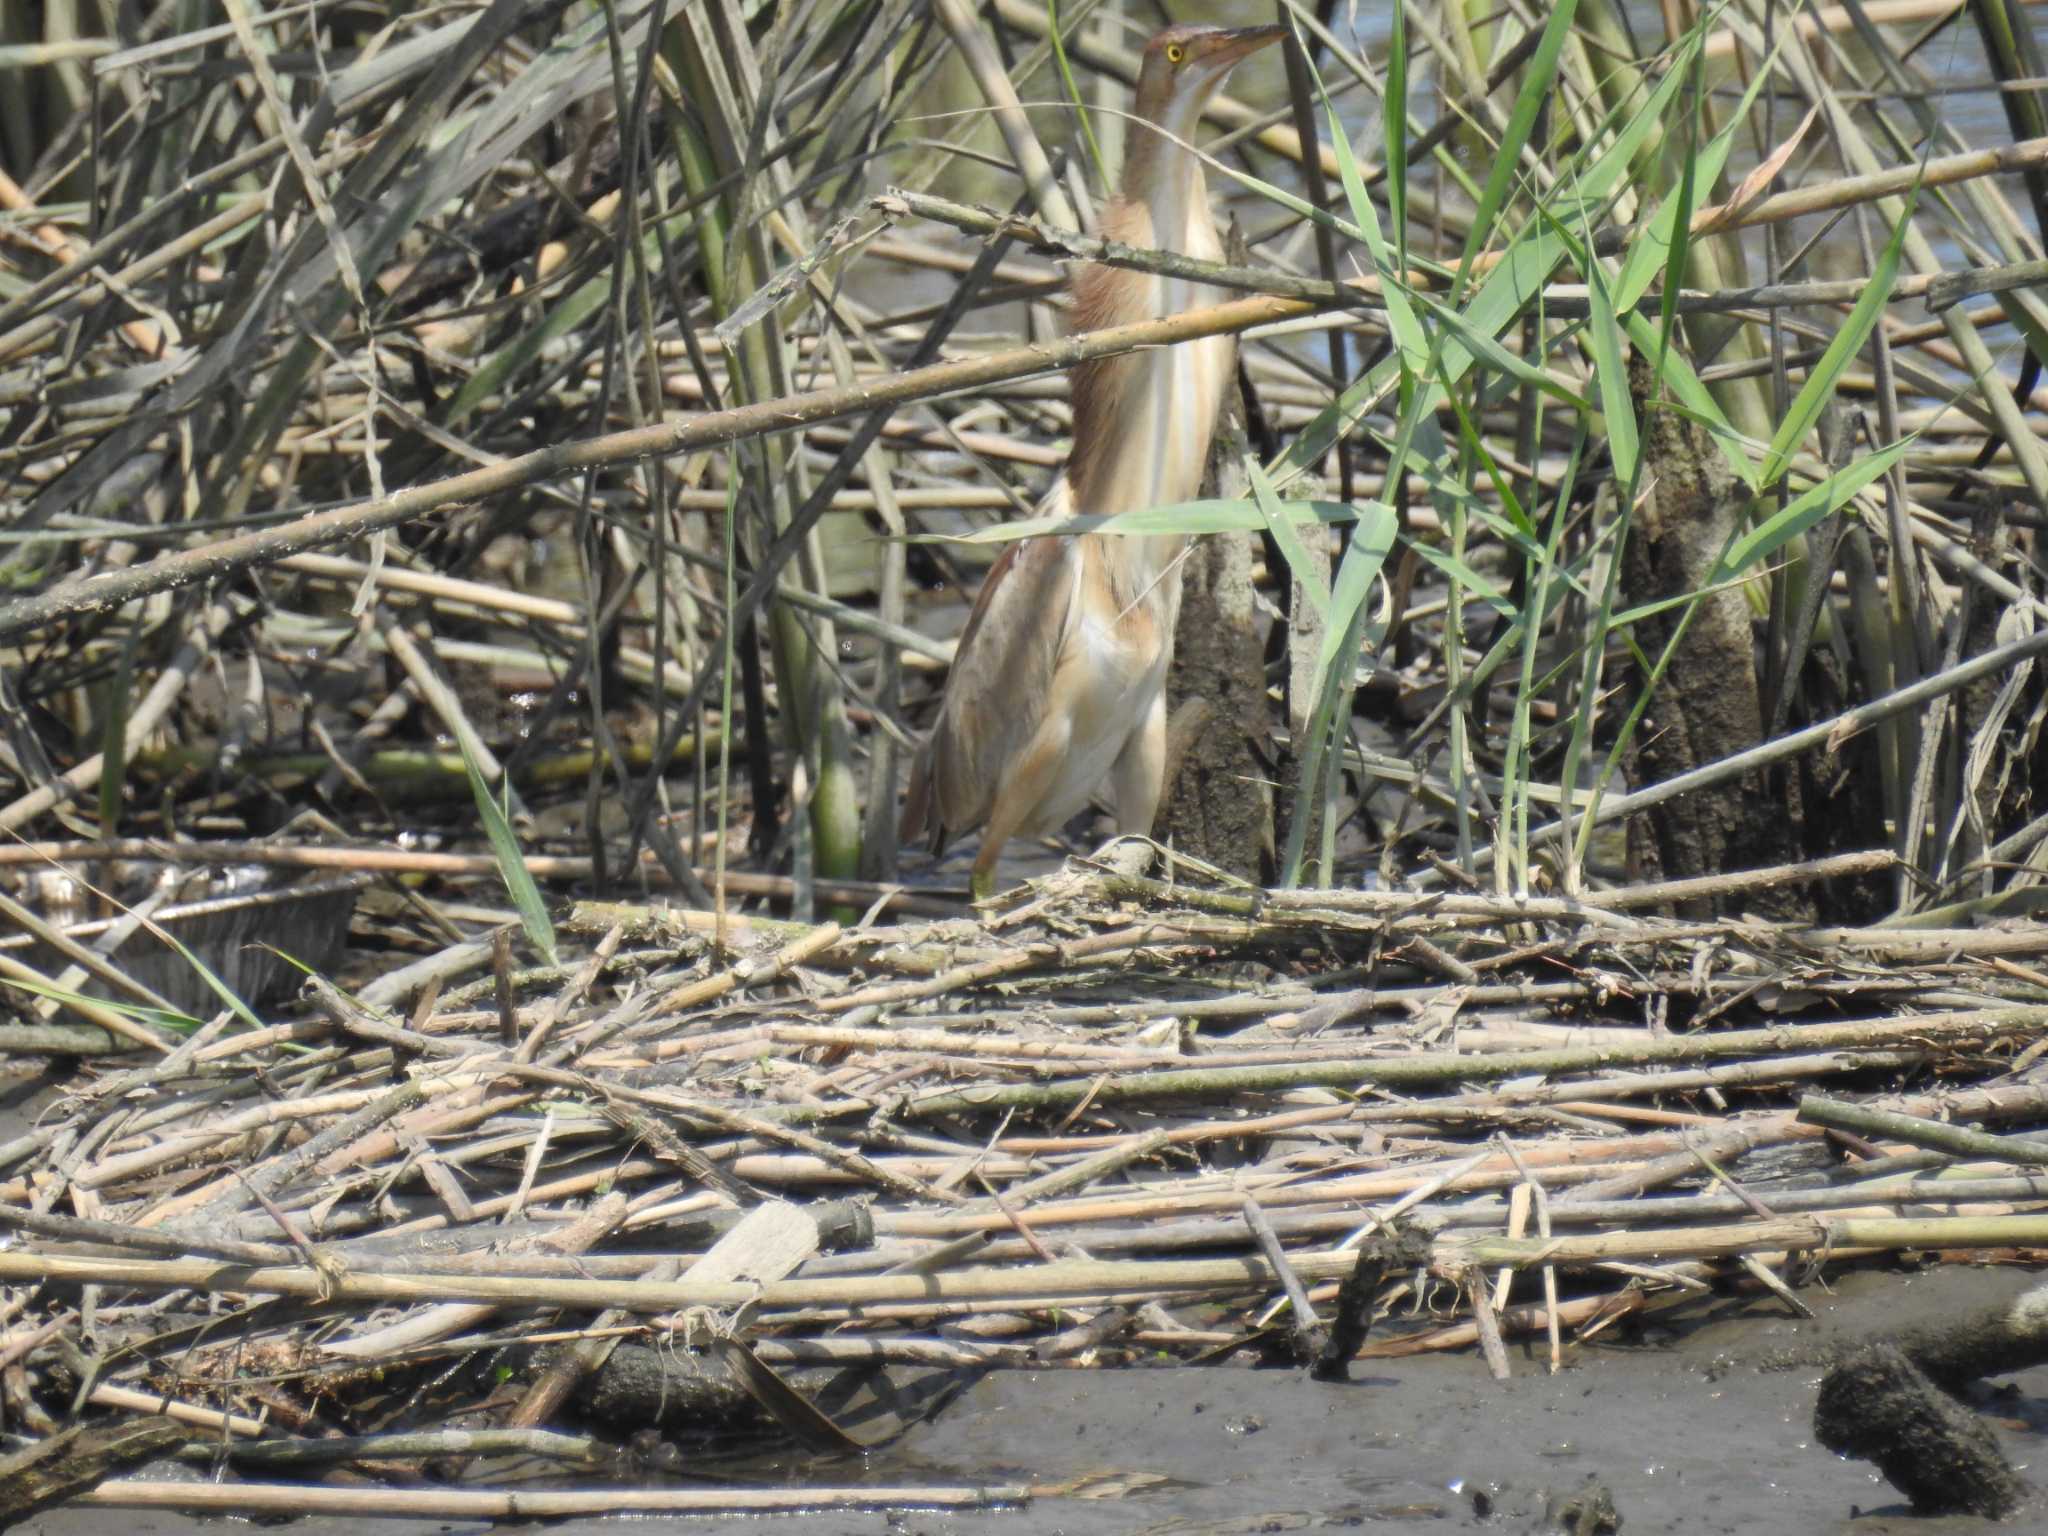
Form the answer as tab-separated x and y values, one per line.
1700	1428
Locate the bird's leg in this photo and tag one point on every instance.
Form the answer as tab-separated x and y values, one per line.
1023	792
1140	771
981	883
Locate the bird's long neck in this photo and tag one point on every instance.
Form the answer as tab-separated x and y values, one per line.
1143	421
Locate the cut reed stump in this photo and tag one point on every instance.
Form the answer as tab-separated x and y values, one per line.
1380	1256
1709	705
1889	1403
1879	1406
1217	807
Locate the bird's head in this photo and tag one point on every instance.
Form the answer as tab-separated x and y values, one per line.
1184	65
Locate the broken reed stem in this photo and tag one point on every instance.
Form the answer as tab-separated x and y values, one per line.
1956	1140
106	591
1065	1279
1561	300
469	1504
1439	1068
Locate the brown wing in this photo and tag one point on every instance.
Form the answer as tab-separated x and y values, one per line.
997	689
1002	672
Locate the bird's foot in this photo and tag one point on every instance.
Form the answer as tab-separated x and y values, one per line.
981	884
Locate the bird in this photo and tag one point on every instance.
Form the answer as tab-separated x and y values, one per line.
1059	679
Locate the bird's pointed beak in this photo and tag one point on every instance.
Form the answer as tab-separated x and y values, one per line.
1229	47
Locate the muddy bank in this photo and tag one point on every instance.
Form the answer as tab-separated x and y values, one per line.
1702	1430
1698	1429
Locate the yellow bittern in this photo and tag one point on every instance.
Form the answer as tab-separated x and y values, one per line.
1060	675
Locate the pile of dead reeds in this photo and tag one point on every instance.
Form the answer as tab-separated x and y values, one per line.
564	386
665	1181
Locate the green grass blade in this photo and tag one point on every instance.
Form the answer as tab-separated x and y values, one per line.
1802	512
114	739
1676	372
1629	617
1538	84
519	881
1651	251
1370	542
1395	136
1819	387
1059	55
1488	351
1401	321
1191	518
163	1018
1307	573
1458	571
1603	335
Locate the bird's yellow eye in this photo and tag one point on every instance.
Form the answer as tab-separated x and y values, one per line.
1175	53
